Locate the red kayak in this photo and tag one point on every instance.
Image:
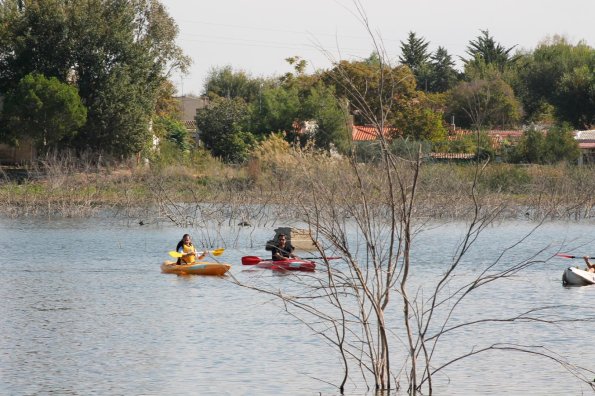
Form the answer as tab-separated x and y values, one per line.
287	265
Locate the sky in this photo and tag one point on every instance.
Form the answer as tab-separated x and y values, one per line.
256	36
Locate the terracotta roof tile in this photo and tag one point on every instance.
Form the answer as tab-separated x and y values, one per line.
452	155
367	132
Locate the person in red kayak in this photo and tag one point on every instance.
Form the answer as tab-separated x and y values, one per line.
189	253
283	249
590	267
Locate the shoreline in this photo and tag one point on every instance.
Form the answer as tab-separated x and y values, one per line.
174	192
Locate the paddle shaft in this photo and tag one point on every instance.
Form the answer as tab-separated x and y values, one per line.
574	257
321	258
253	260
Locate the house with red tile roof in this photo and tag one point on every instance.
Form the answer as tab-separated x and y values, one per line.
363	133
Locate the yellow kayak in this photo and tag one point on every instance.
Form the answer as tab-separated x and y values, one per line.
197	268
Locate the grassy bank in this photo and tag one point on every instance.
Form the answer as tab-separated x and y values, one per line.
63	186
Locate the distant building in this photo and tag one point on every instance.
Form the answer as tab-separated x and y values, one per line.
188	107
364	133
24	153
586	144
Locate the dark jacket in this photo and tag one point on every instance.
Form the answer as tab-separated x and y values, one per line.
285	252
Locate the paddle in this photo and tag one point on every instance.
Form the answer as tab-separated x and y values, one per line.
572	257
216	252
321	258
253	260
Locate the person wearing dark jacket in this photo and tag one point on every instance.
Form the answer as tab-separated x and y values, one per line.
283	249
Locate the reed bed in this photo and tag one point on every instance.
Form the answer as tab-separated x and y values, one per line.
193	194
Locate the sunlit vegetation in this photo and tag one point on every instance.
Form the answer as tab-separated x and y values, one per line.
64	185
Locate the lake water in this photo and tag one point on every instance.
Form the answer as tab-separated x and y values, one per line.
85	310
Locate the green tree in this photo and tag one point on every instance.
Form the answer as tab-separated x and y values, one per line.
222	129
530	149
277	110
44	110
417	120
539	147
560	145
121	116
484	103
173	130
227	83
116	52
443	76
389	94
330	116
33	39
559	78
298	99
484	50
575	99
415	55
377	88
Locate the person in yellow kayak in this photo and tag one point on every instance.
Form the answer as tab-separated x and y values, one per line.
283	249
189	253
590	267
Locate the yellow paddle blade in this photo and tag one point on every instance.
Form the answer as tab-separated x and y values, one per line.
216	252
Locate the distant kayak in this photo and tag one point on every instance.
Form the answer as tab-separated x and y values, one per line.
198	268
577	277
287	265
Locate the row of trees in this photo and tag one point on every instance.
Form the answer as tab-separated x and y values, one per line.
554	82
497	89
93	75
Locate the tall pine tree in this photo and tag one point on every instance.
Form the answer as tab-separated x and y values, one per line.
443	75
415	55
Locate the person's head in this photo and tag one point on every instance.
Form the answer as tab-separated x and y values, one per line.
282	238
186	239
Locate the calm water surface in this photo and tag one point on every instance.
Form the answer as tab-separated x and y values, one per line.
85	310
